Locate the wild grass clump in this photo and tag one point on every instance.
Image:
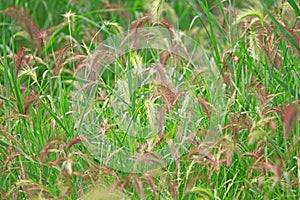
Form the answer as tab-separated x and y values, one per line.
252	151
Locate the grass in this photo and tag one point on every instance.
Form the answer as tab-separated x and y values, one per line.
50	114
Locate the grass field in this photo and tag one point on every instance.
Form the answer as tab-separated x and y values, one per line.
208	108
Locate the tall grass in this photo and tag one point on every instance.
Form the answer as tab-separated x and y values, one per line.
255	46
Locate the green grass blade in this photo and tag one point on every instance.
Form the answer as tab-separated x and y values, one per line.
55	117
294	6
282	29
212	22
4	98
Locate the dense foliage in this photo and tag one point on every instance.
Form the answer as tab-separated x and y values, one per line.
254	46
